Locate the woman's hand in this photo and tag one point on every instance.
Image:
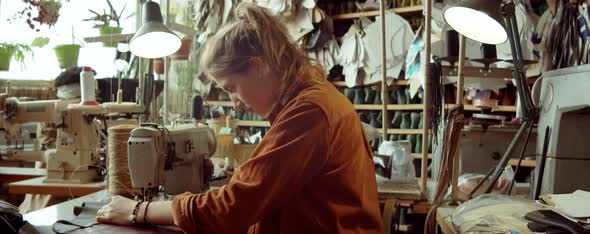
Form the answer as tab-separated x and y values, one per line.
118	211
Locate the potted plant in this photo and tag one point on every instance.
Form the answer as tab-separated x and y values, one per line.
108	22
9	50
39	12
187	20
67	54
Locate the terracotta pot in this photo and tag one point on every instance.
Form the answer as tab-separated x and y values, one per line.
159	65
184	51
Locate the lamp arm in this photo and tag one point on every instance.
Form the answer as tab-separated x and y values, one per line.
529	110
528	107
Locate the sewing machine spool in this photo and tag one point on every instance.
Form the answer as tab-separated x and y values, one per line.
119	181
485	118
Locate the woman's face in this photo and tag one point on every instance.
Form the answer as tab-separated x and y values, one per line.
251	90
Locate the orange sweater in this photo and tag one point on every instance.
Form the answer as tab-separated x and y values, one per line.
311	173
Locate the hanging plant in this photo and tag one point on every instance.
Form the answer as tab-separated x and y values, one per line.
39	12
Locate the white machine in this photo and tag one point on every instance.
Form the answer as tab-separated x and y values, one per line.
76	150
173	157
565	110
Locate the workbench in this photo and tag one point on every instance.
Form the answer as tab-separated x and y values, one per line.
37	186
12	174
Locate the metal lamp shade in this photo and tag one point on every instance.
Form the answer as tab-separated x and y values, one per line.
479	20
153	39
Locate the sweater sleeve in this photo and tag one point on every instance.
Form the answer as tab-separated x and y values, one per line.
292	152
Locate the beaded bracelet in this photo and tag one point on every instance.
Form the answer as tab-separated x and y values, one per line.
135	210
145	211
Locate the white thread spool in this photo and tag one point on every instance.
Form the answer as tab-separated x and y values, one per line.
87	87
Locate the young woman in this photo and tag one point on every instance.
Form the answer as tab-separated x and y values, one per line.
312	172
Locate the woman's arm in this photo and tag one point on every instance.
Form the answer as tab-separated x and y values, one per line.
119	211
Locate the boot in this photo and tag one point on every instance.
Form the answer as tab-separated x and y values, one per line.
349	93
418	146
373	119
421	120
359	96
377	100
415	120
380	119
406	121
397	119
412	139
392	97
401	96
363	117
369	95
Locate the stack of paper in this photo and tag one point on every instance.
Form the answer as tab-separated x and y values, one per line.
576	204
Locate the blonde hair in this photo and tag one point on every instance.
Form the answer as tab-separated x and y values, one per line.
255	33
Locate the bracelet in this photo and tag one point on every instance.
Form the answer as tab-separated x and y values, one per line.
145	211
135	210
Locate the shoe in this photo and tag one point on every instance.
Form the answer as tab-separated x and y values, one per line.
397	119
415	120
369	95
359	96
406	121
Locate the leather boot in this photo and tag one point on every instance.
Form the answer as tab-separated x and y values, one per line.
349	93
369	95
421	120
373	119
359	96
380	119
377	99
406	121
397	119
418	146
415	120
392	97
363	115
401	96
412	139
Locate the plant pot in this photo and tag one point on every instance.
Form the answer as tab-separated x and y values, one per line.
184	51
108	30
159	65
67	55
5	57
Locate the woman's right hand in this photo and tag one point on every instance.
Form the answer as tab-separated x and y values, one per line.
119	211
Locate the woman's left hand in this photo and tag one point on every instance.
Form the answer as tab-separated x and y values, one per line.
118	211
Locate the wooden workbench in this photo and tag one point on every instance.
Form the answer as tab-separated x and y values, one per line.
12	174
37	186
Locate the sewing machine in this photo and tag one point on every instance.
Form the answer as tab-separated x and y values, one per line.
565	109
75	144
76	150
174	157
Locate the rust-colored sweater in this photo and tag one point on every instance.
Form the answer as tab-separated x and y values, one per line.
311	173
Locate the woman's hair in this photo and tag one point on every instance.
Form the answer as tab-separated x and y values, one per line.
255	33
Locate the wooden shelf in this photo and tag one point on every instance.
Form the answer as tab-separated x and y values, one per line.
479	72
474	108
525	163
109	38
401	131
419	156
399	10
395	82
218	103
250	123
389	107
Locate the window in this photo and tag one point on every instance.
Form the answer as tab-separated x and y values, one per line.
43	65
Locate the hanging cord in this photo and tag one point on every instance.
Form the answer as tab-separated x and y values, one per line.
454	124
436	99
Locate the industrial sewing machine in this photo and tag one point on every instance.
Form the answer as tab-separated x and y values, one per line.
565	109
75	144
173	157
76	150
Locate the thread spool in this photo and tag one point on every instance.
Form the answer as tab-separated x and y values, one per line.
119	181
88	87
452	43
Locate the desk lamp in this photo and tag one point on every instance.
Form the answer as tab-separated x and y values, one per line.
494	22
152	40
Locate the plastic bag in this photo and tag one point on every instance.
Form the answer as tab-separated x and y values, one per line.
397	161
493	213
467	182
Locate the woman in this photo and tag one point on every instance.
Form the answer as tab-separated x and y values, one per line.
312	172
